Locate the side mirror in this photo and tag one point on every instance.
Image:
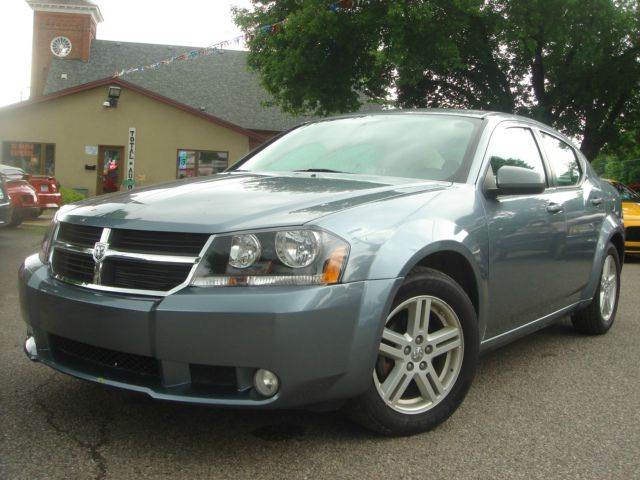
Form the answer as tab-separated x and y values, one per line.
516	181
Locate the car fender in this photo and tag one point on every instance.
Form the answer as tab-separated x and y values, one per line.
610	226
390	238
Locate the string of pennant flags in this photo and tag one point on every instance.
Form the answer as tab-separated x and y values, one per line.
217	47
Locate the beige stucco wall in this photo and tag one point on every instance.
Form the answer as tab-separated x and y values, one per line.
74	121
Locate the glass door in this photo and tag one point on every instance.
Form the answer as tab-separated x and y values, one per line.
109	171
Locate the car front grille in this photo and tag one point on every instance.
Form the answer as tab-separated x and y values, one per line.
73	353
131	261
633	234
76	266
80	235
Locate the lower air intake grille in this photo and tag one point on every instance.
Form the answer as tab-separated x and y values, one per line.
69	351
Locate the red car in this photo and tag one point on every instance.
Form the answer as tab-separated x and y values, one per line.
30	194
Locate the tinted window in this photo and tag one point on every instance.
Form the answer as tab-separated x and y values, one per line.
515	147
432	147
563	160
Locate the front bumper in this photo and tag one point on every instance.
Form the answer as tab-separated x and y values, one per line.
321	341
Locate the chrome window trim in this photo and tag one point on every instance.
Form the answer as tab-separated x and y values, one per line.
148	257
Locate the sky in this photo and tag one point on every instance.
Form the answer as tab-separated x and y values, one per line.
195	23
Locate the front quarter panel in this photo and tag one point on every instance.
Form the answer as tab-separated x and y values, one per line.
389	238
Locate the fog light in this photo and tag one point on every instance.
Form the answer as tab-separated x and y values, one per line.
266	382
30	348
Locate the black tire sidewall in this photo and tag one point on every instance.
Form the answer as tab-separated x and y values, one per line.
434	283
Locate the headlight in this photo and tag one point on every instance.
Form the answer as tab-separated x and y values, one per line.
297	248
245	250
287	257
47	241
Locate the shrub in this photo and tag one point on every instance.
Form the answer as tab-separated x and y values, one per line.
69	195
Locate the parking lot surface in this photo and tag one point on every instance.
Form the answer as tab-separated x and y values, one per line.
553	405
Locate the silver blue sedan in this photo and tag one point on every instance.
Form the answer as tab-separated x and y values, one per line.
361	262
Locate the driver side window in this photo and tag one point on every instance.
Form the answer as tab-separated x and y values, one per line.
516	147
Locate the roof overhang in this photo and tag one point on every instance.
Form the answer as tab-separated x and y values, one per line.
71	7
143	91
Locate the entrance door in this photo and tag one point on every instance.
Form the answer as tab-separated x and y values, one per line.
110	167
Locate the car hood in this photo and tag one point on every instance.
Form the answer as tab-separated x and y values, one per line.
240	201
631	210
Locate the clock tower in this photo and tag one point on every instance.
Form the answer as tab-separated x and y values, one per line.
61	29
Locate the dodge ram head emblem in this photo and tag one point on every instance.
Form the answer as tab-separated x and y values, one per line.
99	251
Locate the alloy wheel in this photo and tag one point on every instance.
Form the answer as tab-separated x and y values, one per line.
608	288
420	355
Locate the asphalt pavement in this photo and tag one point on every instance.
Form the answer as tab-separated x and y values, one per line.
553	405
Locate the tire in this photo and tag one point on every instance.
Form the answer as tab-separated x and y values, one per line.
596	319
425	374
15	218
37	212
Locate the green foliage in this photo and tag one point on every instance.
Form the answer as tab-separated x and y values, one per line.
622	161
570	63
69	195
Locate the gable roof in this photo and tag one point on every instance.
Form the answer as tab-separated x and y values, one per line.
143	91
219	84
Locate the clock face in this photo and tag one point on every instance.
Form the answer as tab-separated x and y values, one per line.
61	46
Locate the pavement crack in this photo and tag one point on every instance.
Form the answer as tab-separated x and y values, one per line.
92	448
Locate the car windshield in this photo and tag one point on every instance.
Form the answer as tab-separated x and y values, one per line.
421	146
626	193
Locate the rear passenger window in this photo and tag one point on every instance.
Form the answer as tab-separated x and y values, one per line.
563	160
515	147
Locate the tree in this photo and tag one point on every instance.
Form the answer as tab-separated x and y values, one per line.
621	161
574	64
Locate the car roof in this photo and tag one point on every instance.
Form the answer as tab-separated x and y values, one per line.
482	114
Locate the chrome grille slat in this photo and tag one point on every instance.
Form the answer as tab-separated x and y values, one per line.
130	266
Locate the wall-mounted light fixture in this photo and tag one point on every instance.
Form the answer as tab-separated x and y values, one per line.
113	96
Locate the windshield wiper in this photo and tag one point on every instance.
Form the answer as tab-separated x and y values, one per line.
319	170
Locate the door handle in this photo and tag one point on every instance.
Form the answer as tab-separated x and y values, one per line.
596	202
554	208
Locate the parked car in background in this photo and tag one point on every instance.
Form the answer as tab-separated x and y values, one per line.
362	261
631	212
5	206
30	194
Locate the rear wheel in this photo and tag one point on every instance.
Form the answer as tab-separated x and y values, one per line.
427	358
598	317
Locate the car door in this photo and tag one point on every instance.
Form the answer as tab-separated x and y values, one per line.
583	203
527	236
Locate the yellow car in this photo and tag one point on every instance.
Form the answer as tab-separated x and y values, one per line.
631	215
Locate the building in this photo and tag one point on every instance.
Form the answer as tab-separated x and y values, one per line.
98	133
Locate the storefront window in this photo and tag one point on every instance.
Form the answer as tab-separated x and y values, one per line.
199	163
33	158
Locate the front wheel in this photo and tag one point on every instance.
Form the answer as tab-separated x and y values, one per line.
426	360
598	317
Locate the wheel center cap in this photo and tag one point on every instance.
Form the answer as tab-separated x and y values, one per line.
417	354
